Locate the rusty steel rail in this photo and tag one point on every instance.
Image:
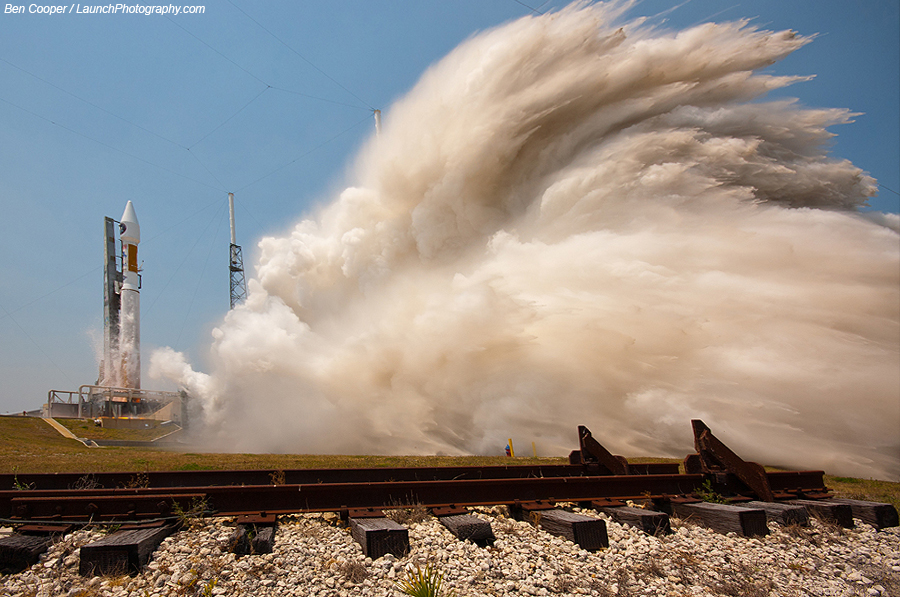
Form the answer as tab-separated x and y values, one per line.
594	474
132	504
69	504
157	479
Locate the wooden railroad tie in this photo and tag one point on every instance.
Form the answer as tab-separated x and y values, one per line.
829	511
123	552
252	540
253	535
468	527
585	531
649	521
18	552
783	514
380	536
876	514
724	518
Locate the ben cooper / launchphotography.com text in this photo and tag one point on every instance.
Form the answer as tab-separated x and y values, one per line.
169	9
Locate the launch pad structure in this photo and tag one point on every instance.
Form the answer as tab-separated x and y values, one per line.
119	407
116	399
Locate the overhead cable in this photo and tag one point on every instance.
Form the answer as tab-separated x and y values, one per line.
531	8
212	244
305	154
321	99
301	56
186	254
888	188
107	145
38	346
90	103
114	115
45	295
256	97
217	51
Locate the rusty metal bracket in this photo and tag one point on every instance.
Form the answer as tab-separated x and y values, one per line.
534	506
263	519
682	499
362	513
606	503
45	529
451	510
714	458
818	495
593	453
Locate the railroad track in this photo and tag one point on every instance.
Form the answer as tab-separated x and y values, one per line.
153	503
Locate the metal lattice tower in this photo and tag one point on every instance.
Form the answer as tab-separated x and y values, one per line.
236	262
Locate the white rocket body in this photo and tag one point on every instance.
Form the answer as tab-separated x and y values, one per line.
130	322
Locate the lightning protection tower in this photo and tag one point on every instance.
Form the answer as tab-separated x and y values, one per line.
236	262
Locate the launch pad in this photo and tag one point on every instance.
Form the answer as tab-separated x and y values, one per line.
116	400
118	407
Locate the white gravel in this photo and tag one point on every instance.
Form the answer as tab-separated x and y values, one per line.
314	557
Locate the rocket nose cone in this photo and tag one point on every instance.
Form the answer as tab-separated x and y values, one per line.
130	229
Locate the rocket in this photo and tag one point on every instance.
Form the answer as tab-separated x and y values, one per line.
130	314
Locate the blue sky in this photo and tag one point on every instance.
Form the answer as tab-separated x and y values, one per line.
271	100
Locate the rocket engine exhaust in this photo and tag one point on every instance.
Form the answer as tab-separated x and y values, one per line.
574	220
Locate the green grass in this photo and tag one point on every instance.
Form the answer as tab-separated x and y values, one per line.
865	489
85	428
29	445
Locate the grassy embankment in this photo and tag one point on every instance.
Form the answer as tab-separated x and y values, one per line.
86	428
29	445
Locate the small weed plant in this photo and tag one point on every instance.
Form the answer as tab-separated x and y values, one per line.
86	482
353	571
138	481
18	485
420	582
708	494
191	516
407	513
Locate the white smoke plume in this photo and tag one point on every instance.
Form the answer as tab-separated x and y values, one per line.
571	220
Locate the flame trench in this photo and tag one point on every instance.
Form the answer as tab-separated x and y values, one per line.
568	221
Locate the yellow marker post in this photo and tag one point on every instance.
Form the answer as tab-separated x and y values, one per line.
512	452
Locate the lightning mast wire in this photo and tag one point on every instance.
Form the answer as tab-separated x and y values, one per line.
122	118
107	145
216	51
38	346
45	295
531	8
227	120
316	148
888	189
199	278
187	253
301	56
90	103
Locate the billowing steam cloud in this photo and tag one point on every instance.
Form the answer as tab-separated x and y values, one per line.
567	222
